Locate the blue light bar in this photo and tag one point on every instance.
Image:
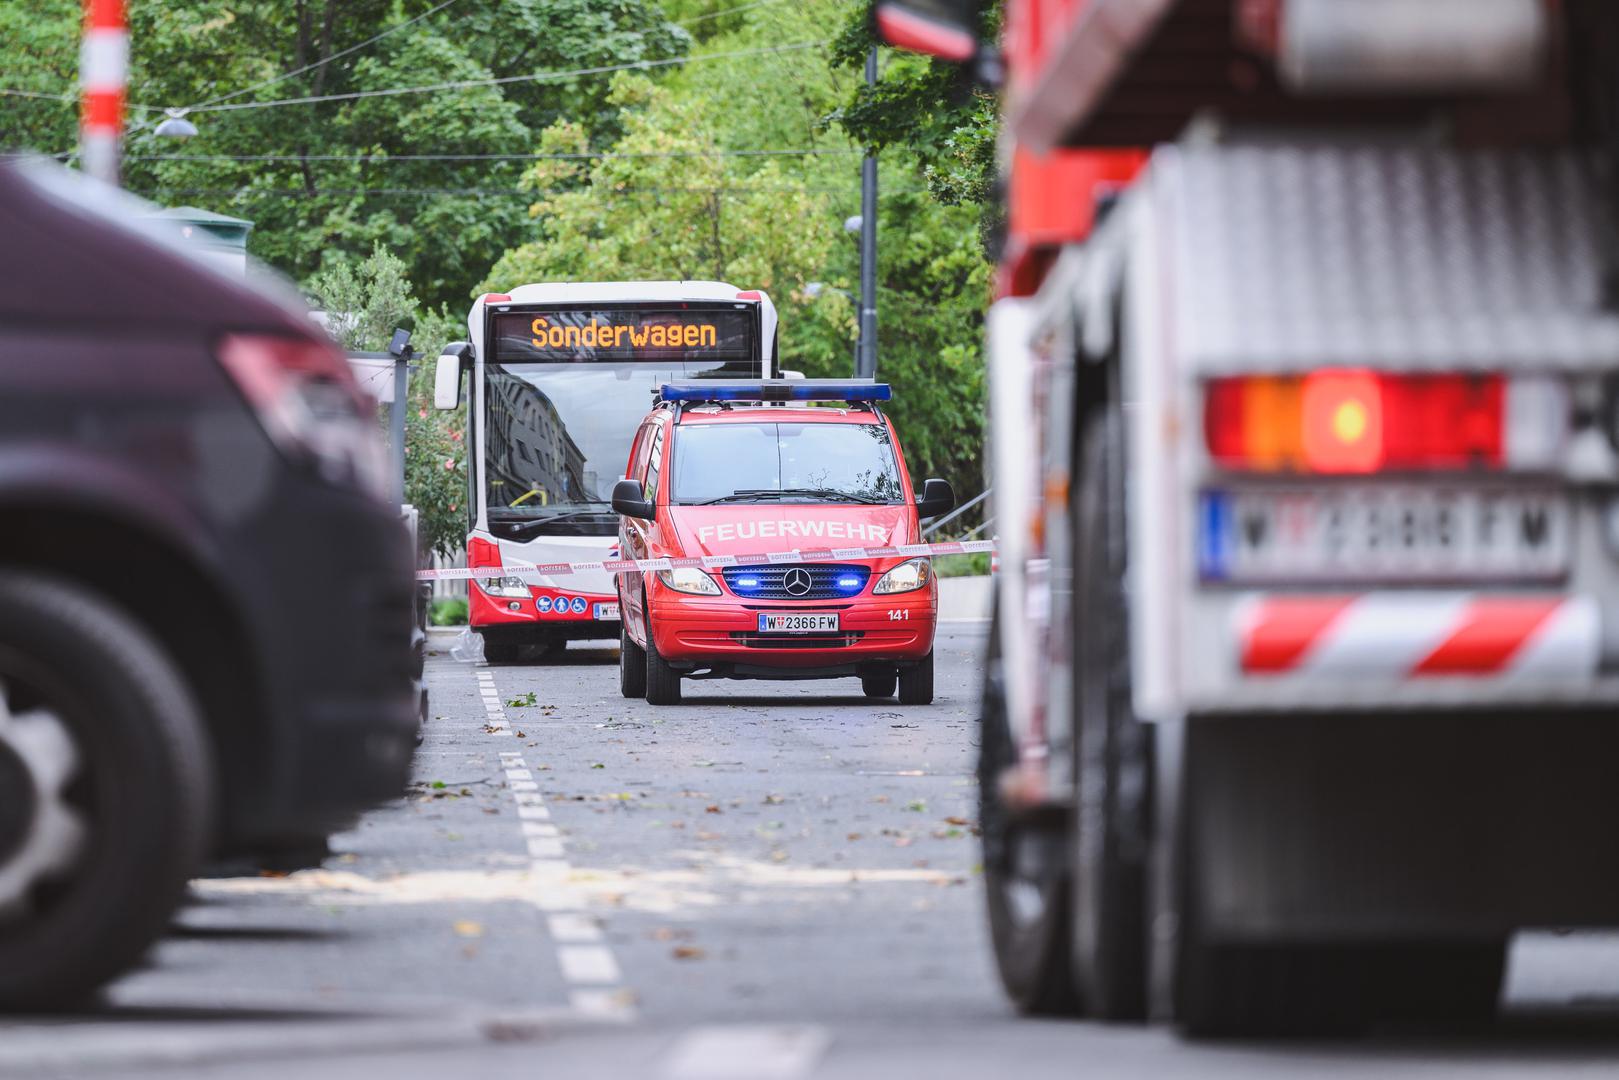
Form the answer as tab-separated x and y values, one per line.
778	390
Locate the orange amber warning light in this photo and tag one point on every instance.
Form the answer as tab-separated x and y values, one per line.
1349	420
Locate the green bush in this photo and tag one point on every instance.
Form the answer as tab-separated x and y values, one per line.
452	612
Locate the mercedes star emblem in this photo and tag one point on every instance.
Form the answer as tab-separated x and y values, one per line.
797	582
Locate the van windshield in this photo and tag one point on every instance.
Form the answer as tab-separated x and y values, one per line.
803	462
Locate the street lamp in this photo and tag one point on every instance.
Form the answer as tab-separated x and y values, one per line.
176	126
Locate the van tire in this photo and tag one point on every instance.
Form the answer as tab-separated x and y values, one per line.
662	681
141	787
916	682
879	685
631	666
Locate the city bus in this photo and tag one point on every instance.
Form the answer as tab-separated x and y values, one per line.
562	374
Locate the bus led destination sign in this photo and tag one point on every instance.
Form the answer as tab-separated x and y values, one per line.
627	334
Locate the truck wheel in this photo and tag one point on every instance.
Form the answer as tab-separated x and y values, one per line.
631	666
1253	991
1025	873
500	652
662	681
1112	830
879	685
1455	982
916	682
108	788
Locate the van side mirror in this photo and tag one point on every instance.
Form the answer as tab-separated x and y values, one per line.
629	500
447	375
944	29
938	497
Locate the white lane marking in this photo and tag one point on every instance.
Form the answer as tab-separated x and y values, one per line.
747	1052
588	964
603	1003
582	952
574	929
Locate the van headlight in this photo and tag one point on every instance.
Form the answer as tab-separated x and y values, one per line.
512	587
906	577
689	579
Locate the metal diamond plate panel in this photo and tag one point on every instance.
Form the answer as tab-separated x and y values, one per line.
1292	257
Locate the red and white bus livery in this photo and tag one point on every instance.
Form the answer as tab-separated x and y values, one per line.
562	374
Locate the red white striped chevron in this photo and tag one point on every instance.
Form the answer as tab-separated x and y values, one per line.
1400	635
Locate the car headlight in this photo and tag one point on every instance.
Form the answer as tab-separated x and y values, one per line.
689	579
906	577
514	587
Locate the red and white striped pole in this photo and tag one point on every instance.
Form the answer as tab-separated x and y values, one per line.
103	77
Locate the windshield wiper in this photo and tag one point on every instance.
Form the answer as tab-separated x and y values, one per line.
526	523
829	494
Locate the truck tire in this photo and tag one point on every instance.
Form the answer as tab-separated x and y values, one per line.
662	681
1112	749
101	734
1025	873
916	682
631	666
1447	982
879	685
500	652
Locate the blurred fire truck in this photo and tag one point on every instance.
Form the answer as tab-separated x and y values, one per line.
1300	697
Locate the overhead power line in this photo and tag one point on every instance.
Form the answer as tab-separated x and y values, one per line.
70	98
538	76
321	63
512	193
385	159
727	11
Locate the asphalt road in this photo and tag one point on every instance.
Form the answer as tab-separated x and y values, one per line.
770	880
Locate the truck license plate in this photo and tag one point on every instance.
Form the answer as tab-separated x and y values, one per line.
797	624
1382	533
607	612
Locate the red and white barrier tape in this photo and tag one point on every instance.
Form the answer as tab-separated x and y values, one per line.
709	562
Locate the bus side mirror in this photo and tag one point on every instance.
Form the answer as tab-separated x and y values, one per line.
938	497
447	375
628	500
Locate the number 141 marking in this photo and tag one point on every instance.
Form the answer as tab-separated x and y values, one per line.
898	614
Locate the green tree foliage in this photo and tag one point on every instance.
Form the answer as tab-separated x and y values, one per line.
364	303
324	181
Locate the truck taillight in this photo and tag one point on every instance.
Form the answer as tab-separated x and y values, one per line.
309	404
1360	421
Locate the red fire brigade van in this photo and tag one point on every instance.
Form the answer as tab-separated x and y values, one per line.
804	512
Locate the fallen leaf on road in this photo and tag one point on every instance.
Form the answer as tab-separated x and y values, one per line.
688	952
879	798
713	808
468	928
774	800
598	765
670	933
854	836
956	821
710	836
917	806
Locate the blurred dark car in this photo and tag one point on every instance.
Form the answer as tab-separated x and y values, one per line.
205	598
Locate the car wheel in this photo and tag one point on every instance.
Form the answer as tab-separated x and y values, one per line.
108	787
1025	874
631	666
879	685
500	652
662	681
916	683
1112	748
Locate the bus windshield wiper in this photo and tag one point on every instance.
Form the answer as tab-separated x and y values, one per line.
526	522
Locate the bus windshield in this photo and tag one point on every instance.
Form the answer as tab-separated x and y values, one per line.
565	389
